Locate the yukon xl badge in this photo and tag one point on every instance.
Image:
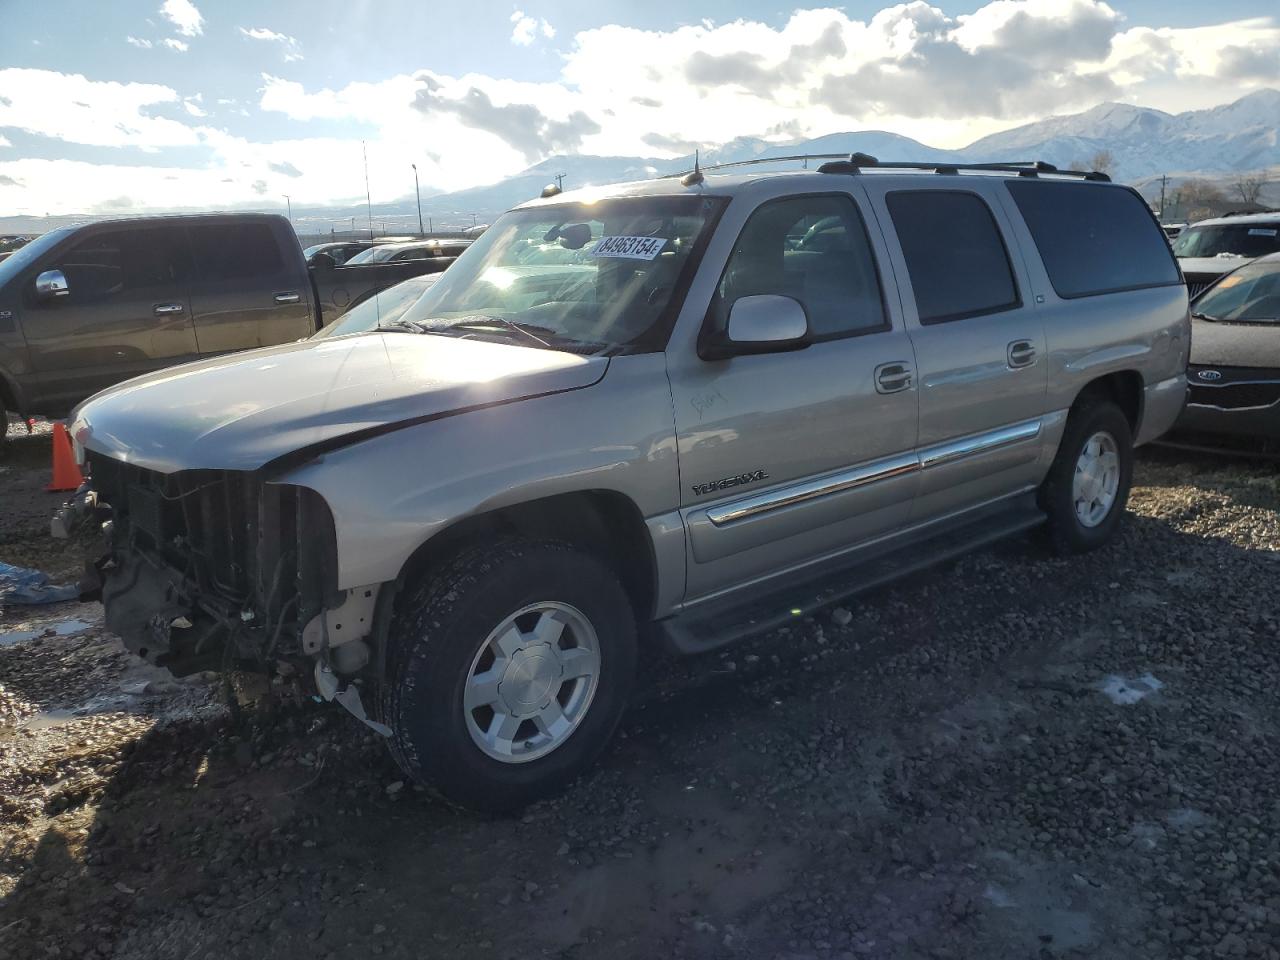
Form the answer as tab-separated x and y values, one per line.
1209	375
702	489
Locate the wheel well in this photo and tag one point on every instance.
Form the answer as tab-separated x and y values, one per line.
1124	389
603	522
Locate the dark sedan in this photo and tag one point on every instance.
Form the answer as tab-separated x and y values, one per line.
1233	400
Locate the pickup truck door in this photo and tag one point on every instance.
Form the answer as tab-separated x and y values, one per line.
979	341
786	458
251	288
127	311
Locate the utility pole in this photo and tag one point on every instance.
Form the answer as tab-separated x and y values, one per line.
1164	179
473	220
417	193
290	203
560	181
431	227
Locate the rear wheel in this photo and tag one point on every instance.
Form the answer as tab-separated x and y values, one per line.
508	672
1088	485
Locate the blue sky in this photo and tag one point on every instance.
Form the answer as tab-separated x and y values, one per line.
137	104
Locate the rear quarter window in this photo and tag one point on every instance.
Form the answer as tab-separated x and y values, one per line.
1094	239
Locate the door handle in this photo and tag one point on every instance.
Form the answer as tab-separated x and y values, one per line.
161	309
290	297
1022	353
894	377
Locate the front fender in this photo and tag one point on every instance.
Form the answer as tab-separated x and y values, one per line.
393	493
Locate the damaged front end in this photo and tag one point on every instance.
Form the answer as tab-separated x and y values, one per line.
208	569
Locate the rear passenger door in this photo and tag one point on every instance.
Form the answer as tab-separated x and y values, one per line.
979	344
790	457
247	291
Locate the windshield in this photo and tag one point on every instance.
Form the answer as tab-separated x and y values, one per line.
26	255
1248	295
383	308
314	248
602	273
1228	239
379	254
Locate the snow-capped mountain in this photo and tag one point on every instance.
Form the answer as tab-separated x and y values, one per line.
1244	135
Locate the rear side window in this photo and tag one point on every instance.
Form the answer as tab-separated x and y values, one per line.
1094	239
235	251
955	255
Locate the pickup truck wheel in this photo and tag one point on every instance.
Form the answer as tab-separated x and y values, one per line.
1088	484
508	672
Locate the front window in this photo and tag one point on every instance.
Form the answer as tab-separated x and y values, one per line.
1248	295
596	277
26	255
1228	240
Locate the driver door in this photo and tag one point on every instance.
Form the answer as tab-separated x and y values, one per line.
790	457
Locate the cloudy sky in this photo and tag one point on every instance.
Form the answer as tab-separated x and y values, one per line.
137	104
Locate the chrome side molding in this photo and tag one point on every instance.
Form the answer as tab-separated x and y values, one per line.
873	472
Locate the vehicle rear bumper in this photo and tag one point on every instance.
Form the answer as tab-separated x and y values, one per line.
1260	422
1162	405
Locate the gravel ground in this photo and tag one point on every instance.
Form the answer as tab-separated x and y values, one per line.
1014	756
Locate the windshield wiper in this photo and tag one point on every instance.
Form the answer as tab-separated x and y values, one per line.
1205	316
526	329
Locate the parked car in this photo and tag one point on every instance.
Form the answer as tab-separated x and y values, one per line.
473	524
381	309
1233	402
1212	248
88	306
1171	230
340	288
340	251
412	250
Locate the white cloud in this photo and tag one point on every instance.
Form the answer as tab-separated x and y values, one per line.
4	142
527	28
193	108
138	42
98	113
174	44
290	46
184	16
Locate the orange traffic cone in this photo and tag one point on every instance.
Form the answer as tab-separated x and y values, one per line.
66	473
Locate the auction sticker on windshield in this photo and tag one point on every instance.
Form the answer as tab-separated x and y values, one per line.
631	248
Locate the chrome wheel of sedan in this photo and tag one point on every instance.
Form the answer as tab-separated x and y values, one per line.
1096	480
532	682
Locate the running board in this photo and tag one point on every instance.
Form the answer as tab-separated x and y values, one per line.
719	622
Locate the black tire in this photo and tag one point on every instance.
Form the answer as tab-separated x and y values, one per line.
435	637
1067	532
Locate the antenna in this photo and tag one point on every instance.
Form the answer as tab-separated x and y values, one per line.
693	177
368	203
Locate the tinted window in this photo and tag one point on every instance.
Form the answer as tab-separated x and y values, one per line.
1094	239
814	249
955	256
235	251
121	262
1234	239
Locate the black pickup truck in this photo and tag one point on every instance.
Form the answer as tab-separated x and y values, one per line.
87	306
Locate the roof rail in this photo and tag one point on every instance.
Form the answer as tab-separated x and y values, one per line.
857	162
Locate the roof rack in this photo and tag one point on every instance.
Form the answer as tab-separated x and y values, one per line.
853	163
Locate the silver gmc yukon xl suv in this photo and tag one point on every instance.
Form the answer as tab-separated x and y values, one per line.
660	412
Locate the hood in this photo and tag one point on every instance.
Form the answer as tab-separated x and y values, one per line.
1218	344
1210	266
242	411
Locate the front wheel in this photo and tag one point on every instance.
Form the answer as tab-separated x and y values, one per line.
1088	485
508	672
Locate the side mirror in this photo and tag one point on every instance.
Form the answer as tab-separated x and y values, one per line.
760	324
51	284
323	261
